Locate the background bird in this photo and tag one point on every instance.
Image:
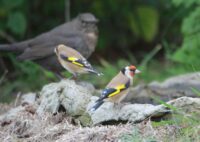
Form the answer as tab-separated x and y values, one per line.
81	34
118	87
73	61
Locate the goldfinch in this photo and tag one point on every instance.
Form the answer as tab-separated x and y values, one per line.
73	61
118	87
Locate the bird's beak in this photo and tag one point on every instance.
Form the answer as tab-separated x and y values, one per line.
137	71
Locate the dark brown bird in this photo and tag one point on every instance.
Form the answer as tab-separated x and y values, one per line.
81	34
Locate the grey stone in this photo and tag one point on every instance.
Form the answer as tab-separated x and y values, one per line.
138	112
127	112
29	98
169	89
187	104
74	98
11	114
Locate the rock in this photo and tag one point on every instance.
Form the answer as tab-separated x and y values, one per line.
138	112
187	105
11	114
171	88
29	98
4	107
74	98
66	93
28	104
128	112
87	85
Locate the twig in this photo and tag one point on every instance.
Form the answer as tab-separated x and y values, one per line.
3	76
2	64
151	55
7	36
17	98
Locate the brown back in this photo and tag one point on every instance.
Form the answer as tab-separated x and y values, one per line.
119	79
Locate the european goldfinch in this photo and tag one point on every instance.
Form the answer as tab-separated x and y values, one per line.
118	87
73	61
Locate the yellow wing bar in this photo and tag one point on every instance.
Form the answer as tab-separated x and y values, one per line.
74	61
118	90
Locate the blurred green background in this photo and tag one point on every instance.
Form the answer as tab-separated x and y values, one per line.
160	37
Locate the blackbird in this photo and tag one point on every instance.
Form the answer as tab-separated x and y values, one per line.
81	34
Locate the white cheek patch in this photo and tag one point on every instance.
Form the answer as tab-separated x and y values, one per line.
127	73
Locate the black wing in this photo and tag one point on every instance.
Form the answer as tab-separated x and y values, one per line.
106	92
109	92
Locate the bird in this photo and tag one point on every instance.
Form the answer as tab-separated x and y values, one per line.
81	34
118	87
73	61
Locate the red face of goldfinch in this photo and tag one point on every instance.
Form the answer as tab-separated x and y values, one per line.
130	71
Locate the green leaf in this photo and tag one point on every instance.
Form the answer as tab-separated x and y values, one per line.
149	22
17	23
191	23
144	23
186	3
196	91
134	25
157	99
189	51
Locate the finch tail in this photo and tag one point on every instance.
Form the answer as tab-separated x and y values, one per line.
5	47
96	72
15	47
97	105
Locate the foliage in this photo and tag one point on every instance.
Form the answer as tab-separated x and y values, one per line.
189	51
12	16
129	32
187	123
180	126
186	4
144	22
131	21
29	77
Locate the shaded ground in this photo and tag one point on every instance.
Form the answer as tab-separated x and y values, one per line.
22	124
27	126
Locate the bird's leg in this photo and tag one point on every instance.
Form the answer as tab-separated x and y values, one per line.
74	77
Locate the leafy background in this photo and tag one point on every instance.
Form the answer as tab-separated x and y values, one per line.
160	37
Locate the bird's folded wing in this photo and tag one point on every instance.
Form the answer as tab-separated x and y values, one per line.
36	53
110	92
73	39
43	46
79	62
118	89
